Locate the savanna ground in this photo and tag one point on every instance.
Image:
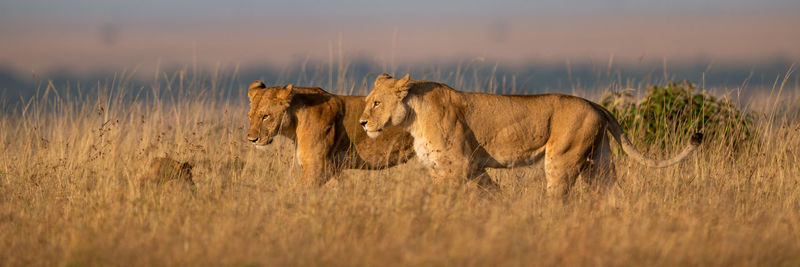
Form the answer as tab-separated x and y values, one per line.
69	194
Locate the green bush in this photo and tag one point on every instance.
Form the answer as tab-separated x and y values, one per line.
675	112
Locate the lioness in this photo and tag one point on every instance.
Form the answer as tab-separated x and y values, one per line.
325	130
457	135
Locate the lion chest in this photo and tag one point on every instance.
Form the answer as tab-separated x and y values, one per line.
426	154
428	151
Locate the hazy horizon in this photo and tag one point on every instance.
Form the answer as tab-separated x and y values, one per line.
91	36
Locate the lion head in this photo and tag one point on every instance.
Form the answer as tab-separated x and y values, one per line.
268	111
385	104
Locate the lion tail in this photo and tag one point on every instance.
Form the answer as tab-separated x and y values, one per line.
622	139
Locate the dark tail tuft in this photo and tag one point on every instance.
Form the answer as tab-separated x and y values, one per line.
697	139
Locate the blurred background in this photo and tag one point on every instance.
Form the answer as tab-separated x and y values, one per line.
542	45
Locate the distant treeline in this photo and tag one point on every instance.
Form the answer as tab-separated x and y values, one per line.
355	77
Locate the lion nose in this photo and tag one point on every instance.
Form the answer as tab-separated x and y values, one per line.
252	139
363	123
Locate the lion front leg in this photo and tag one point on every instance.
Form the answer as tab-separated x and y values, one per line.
449	171
315	173
316	168
313	150
460	172
447	177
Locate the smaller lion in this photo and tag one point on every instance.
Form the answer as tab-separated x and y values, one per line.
324	128
167	171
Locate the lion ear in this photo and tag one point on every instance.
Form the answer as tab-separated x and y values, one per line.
401	92
404	81
401	87
285	94
384	76
255	86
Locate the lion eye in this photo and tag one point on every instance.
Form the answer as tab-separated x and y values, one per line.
376	104
265	117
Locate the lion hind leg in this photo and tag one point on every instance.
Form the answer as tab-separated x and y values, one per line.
564	161
561	175
599	169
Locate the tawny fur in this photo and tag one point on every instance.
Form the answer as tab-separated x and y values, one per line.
458	135
165	170
325	130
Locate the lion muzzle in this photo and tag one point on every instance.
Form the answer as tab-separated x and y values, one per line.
370	133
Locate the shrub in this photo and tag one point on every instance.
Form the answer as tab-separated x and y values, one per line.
675	111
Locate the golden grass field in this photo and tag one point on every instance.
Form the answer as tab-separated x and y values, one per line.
69	195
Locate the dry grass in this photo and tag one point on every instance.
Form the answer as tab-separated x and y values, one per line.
69	196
